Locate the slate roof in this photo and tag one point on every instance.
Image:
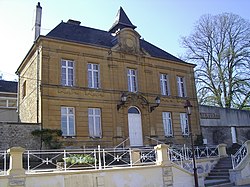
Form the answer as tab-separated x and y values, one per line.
73	32
8	86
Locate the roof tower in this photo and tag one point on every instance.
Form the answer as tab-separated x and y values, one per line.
121	21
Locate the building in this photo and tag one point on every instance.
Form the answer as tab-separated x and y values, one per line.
224	125
106	87
8	101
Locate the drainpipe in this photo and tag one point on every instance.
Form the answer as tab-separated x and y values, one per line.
18	99
37	84
37	34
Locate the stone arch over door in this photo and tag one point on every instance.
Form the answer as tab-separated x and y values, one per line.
135	126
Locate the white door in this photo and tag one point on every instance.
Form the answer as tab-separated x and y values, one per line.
135	127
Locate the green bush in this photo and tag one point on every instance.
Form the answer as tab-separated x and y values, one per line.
49	137
79	159
199	140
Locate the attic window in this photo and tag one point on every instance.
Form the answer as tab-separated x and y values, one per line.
73	22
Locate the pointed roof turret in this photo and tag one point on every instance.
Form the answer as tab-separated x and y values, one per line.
121	21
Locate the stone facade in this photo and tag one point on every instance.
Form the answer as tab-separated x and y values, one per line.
40	76
18	134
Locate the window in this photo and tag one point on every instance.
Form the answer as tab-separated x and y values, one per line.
181	87
184	124
24	89
8	102
67	72
68	121
167	123
164	84
93	76
132	80
94	115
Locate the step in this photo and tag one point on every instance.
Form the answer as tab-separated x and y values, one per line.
217	177
224	164
219	167
218	173
217	182
219	170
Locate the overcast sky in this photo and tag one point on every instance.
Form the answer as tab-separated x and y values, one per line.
160	22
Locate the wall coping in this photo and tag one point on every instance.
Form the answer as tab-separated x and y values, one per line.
70	172
18	123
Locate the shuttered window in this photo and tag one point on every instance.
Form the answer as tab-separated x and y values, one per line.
164	82
67	72
181	87
68	121
93	76
132	80
94	120
167	124
184	124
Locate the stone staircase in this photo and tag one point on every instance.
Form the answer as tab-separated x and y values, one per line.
219	175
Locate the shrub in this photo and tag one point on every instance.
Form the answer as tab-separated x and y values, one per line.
79	159
49	137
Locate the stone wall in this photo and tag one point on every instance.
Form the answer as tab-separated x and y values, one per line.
216	124
18	134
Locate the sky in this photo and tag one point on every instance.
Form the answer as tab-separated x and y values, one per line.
160	22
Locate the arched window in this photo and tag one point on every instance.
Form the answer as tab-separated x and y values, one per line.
133	110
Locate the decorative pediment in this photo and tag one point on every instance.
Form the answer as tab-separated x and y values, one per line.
128	41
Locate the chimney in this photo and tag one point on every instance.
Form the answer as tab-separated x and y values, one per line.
38	20
73	22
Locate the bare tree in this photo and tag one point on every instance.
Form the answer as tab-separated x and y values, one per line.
220	46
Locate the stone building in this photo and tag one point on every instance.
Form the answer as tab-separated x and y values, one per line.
106	87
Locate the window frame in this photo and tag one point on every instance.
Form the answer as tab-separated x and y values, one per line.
132	80
67	75
94	81
164	84
97	116
184	124
68	117
181	86
167	124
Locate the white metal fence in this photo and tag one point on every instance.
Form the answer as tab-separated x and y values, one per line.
182	156
238	157
78	159
3	162
49	160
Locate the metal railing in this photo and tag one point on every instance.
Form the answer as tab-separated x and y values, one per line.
178	159
50	160
155	140
238	157
200	152
122	145
3	162
182	156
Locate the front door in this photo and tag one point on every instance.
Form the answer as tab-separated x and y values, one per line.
135	127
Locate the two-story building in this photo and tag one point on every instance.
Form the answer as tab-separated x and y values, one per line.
105	87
